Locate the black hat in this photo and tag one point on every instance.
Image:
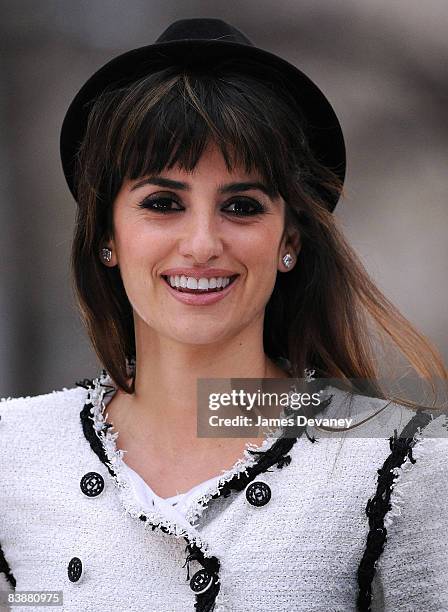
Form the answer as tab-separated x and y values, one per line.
193	42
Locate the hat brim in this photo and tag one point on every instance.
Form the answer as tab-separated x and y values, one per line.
324	130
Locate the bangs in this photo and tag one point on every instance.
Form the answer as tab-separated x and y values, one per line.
170	117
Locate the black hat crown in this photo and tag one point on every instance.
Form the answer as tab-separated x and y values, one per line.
203	29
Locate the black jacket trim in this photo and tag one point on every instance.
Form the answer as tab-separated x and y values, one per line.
378	505
5	569
90	434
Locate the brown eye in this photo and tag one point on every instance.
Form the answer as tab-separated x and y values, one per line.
158	204
242	207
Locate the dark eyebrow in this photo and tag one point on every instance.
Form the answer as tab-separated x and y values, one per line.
228	188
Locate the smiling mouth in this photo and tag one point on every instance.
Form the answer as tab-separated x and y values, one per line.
200	291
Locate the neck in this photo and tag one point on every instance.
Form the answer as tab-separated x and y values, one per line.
162	411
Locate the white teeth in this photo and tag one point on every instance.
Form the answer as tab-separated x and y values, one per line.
188	282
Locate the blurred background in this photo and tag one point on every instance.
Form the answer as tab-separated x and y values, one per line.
382	64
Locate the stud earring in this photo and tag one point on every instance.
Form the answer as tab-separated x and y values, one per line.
287	260
106	254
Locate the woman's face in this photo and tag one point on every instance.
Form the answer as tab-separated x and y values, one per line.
200	237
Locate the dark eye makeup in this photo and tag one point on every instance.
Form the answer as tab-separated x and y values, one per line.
241	206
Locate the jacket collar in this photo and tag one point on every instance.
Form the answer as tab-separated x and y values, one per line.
102	439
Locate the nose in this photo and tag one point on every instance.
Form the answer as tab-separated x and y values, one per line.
201	239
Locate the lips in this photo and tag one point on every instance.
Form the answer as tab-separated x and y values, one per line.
200	298
199	291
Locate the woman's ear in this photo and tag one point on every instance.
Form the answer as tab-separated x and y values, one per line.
108	254
289	251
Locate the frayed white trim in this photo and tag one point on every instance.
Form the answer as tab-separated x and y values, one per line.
199	503
10	399
115	462
399	488
35	397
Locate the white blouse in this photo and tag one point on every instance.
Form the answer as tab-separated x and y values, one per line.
149	499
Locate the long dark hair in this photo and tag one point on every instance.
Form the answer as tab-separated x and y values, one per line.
326	313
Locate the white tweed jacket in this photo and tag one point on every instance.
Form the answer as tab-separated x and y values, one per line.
332	525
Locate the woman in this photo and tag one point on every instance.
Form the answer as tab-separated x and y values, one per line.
206	172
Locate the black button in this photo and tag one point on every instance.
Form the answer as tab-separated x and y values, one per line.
201	581
92	484
258	493
74	569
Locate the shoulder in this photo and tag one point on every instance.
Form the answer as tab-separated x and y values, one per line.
40	436
28	424
417	448
412	569
371	417
55	403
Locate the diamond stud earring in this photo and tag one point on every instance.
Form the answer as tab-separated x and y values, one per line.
106	254
288	259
